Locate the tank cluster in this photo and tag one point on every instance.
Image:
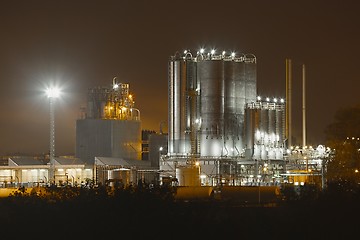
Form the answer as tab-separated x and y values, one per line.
208	94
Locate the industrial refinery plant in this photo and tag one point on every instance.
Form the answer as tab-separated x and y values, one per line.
222	133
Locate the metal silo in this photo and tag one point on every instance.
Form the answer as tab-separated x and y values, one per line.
250	78
250	126
172	132
230	121
177	117
264	121
234	104
280	123
272	121
210	75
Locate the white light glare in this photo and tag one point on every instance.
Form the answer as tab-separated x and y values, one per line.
53	92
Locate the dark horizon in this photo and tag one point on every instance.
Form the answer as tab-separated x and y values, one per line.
83	44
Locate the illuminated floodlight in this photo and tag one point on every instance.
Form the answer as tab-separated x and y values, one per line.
233	54
223	53
258	98
212	51
202	50
115	86
53	92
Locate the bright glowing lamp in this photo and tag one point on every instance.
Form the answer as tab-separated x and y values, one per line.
53	92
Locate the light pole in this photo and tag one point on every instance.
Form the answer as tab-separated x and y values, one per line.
52	94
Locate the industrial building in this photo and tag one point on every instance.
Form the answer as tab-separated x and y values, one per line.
35	171
111	125
109	136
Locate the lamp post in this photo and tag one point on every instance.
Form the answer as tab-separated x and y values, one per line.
52	94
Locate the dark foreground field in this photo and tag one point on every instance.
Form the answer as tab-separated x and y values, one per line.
85	214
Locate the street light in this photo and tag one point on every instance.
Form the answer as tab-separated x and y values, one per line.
52	94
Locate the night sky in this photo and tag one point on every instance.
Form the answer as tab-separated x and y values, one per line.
83	44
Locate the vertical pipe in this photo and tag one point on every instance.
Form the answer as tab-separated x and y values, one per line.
303	106
288	103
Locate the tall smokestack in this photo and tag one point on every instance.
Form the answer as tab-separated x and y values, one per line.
303	105
288	103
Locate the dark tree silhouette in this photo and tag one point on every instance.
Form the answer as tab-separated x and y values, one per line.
343	135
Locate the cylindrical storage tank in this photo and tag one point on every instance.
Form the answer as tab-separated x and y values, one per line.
171	107
250	78
249	132
279	125
194	193
279	153
234	104
230	120
271	153
272	122
240	89
264	121
264	152
210	75
188	175
177	106
257	151
192	112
